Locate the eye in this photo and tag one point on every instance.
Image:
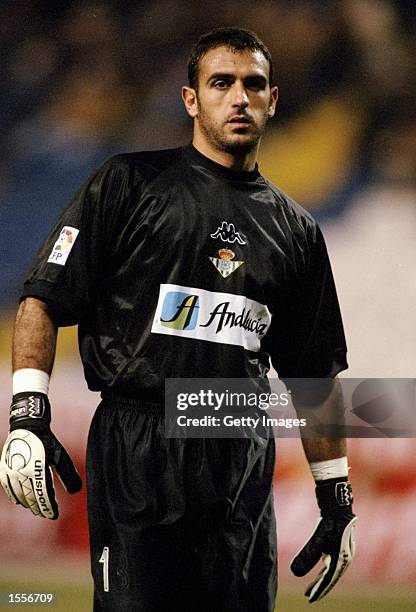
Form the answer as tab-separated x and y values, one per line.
255	83
222	83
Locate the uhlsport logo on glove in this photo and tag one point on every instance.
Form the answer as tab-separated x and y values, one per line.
225	318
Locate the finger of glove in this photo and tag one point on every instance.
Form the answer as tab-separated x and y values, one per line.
22	486
335	565
17	488
14	458
309	555
66	470
45	492
326	579
31	497
316	587
4	480
7	487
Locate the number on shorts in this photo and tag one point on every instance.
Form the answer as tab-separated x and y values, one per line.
104	560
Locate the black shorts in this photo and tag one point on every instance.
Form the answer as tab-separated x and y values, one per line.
178	524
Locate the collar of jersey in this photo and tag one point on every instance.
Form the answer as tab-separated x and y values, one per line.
233	175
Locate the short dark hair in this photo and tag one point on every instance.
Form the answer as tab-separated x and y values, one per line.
237	39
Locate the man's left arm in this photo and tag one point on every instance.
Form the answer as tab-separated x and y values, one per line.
333	537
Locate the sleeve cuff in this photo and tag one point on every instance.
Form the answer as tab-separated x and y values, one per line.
66	308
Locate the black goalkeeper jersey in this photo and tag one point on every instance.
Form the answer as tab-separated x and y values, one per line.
175	266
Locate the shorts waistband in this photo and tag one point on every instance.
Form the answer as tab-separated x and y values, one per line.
140	404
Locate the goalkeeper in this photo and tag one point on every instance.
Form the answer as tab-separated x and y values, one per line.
183	263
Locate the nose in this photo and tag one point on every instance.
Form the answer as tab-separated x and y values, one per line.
240	96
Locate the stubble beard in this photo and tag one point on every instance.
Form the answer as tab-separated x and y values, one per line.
215	134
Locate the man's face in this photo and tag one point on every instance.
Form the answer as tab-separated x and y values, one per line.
234	99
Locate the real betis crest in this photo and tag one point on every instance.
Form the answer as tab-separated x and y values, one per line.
224	263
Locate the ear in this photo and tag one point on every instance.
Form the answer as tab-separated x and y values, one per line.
274	96
190	101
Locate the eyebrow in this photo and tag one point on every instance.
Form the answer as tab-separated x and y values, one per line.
231	75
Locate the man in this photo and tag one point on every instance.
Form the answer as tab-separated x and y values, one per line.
151	245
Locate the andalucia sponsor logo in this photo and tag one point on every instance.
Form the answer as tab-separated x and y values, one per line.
225	318
180	310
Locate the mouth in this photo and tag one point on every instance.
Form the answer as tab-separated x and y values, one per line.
240	119
239	122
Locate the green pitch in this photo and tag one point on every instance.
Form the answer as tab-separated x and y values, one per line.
341	601
78	596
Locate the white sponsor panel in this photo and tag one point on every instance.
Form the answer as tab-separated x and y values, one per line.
63	245
225	318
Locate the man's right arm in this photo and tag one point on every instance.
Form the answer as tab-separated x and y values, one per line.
31	449
34	339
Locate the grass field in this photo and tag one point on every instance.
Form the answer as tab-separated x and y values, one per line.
77	597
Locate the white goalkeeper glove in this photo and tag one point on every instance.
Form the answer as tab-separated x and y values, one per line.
333	538
30	452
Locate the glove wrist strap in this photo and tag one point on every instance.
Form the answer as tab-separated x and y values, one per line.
334	495
30	411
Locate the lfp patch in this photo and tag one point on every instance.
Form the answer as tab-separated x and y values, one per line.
63	245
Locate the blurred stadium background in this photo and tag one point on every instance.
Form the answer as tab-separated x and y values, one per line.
81	81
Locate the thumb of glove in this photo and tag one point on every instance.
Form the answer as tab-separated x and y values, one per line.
65	468
309	555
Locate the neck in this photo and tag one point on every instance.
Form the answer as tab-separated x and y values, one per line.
235	161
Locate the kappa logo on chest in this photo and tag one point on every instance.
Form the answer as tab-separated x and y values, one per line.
227	233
